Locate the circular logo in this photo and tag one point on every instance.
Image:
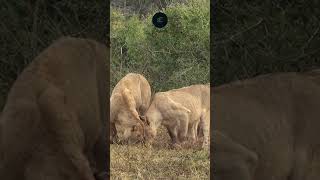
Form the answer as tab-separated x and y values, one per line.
160	20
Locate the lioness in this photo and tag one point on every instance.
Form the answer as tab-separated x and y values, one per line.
180	111
129	101
53	123
268	127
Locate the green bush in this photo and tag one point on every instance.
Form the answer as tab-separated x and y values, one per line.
174	56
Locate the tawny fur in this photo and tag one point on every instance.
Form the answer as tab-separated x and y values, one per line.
275	117
203	129
180	111
129	100
53	123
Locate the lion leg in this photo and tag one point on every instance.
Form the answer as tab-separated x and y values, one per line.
65	133
195	131
199	130
300	165
232	160
173	135
205	126
183	128
46	166
101	158
113	133
192	131
39	169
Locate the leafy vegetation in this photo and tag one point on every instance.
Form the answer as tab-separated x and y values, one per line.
174	56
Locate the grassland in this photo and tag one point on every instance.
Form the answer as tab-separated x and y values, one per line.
159	161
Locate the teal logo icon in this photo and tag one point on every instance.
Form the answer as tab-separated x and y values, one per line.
160	20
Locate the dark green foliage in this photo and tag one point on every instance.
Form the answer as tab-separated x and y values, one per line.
258	37
27	27
172	57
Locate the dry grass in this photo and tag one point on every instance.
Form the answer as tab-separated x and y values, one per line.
159	161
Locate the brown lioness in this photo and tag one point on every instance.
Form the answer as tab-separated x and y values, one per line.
129	101
180	111
270	125
53	123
